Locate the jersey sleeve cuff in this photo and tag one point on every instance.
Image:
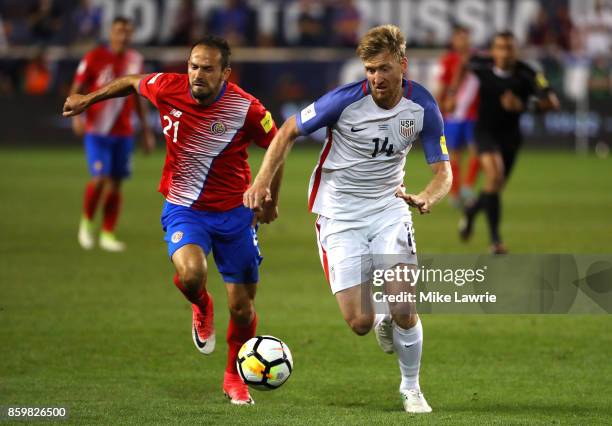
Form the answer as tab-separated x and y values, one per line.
437	158
299	125
140	84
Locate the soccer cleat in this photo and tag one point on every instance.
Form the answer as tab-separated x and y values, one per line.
109	242
235	389
499	248
465	228
86	234
384	333
414	401
203	328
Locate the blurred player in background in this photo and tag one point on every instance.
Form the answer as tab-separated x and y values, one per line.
208	124
508	87
109	139
357	191
458	99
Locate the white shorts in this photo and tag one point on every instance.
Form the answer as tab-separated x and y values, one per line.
349	250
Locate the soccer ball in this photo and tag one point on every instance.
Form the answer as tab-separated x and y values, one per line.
264	362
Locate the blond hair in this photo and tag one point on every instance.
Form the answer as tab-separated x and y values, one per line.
384	38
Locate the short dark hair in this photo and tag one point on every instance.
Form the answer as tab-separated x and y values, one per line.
218	43
503	34
458	28
122	20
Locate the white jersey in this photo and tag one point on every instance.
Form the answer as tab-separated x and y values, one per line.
362	162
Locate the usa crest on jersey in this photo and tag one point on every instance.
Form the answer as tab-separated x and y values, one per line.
407	127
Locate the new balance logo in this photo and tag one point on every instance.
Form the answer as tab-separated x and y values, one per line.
176	113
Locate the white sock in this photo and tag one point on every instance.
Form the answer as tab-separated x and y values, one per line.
408	345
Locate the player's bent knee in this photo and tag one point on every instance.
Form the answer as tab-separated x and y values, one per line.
193	278
361	325
406	321
98	182
494	184
242	312
497	181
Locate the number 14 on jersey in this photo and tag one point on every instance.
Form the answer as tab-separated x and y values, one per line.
386	148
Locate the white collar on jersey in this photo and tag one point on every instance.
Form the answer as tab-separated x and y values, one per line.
501	73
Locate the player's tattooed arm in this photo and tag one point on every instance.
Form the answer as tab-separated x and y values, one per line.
124	86
260	191
437	188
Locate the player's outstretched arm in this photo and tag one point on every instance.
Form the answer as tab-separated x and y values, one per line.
437	188
124	86
148	137
274	159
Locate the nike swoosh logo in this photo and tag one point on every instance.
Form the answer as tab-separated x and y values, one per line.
199	343
353	129
409	346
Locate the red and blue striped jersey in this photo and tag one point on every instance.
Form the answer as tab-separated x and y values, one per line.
206	164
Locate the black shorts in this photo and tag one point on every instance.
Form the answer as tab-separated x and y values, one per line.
507	144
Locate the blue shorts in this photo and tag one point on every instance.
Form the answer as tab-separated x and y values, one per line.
109	155
229	234
459	134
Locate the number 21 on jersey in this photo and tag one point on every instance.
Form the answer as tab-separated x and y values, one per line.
169	125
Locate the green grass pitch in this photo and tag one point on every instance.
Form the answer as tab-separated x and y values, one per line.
108	335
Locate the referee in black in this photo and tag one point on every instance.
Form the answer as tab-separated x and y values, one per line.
508	87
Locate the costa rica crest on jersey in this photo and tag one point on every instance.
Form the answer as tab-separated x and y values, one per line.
177	236
406	127
217	127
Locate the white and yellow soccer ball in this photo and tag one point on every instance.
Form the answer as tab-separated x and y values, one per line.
264	362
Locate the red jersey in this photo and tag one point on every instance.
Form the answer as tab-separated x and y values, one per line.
466	107
206	146
99	67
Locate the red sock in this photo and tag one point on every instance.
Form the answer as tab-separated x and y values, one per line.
473	169
456	178
91	199
201	300
236	336
112	205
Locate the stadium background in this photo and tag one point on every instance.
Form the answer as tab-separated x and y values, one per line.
280	45
106	335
